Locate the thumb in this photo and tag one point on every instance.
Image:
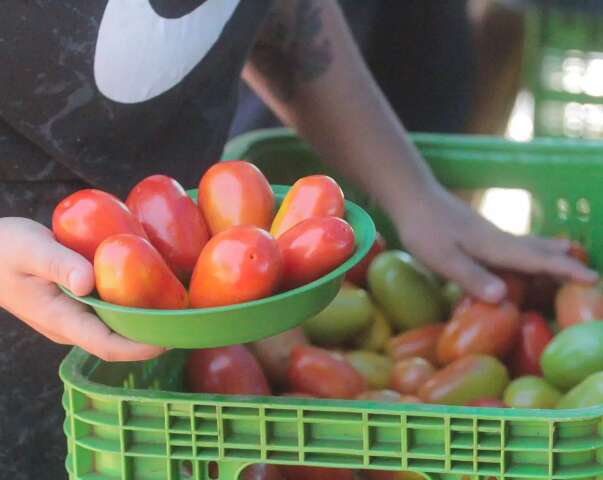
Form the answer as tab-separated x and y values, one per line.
52	261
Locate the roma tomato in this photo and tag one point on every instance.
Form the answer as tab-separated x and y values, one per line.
531	392
323	374
578	303
171	220
374	368
316	473
314	196
130	272
478	327
588	393
357	274
408	375
231	370
453	293
313	248
467	379
386	396
238	265
387	475
84	219
534	336
376	335
261	471
418	342
235	193
487	402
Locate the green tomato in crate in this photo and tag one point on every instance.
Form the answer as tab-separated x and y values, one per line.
350	313
408	296
573	355
531	392
374	337
373	367
452	293
588	393
466	379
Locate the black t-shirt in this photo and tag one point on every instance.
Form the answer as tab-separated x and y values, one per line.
100	93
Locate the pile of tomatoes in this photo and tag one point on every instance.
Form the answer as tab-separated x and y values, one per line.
160	250
397	333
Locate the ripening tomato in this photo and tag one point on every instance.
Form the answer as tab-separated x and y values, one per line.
323	373
385	396
534	336
408	375
488	402
231	370
235	193
313	248
418	342
478	327
531	392
314	196
374	368
84	219
578	303
389	475
238	265
171	220
130	272
261	471
357	273
516	286
293	472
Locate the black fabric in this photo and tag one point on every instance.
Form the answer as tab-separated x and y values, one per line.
60	133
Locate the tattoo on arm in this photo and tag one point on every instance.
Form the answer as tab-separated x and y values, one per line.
292	48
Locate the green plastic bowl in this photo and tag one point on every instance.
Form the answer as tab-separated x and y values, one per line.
241	323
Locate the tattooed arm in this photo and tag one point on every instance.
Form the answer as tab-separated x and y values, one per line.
306	67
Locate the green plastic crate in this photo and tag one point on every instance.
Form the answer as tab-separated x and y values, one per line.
130	421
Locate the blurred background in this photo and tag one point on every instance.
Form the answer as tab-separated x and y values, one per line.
517	68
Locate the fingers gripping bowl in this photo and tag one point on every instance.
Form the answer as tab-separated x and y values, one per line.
239	323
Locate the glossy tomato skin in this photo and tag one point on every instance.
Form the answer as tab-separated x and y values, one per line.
238	265
374	368
531	392
293	472
231	370
578	303
357	274
313	196
322	373
588	393
478	327
487	402
235	193
130	272
534	336
418	342
84	219
313	248
383	396
470	378
408	376
171	220
261	471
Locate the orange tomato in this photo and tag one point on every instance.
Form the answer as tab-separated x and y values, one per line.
171	220
357	274
313	248
235	193
578	303
130	272
478	327
418	342
314	196
408	375
238	265
84	219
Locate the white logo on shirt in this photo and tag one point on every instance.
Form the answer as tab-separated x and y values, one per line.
140	55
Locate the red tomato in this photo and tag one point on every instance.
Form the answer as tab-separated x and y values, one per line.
478	327
171	220
357	274
323	373
238	265
578	303
130	272
84	219
540	295
534	336
418	342
488	402
314	196
261	471
409	374
316	473
313	248
231	370
235	193
516	286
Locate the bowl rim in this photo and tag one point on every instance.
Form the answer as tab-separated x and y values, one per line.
279	191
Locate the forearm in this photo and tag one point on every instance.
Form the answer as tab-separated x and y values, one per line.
308	70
